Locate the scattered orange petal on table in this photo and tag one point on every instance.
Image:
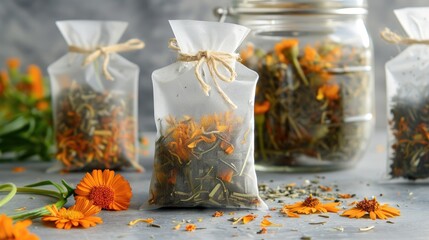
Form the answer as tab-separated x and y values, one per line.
177	227
190	227
146	220
345	195
18	169
262	231
245	219
267	223
217	214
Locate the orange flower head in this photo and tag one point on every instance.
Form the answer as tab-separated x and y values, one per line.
80	214
190	227
18	231
36	77
4	81
309	206
13	63
105	189
373	209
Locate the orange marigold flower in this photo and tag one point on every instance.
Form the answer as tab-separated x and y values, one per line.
308	206
217	214
10	231
105	189
261	108
328	91
4	81
13	63
373	209
36	78
80	214
190	227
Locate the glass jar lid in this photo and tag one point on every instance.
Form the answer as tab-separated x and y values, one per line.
298	7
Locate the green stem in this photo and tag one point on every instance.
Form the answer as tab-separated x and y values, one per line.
293	57
38	212
12	191
260	120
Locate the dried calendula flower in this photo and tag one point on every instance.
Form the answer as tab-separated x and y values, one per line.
107	190
217	214
373	209
267	223
190	227
245	219
17	231
309	206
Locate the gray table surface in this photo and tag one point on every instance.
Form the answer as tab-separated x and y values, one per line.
366	179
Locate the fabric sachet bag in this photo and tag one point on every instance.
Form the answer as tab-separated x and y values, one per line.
204	117
94	97
407	77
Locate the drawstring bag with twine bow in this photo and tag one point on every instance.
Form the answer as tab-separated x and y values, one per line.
204	118
407	77
94	97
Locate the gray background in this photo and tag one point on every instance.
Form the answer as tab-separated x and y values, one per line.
28	31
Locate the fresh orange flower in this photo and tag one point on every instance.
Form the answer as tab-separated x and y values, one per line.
4	81
80	214
267	223
42	105
36	78
107	190
261	108
285	45
217	214
245	219
373	209
13	63
308	206
190	227
328	91
18	231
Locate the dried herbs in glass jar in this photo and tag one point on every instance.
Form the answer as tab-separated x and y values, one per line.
314	99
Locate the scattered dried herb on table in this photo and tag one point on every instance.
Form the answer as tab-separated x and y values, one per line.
410	129
95	130
312	106
199	163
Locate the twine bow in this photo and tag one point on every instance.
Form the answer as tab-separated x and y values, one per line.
393	37
93	54
212	60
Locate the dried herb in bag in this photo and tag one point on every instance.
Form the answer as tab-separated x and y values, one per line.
94	95
408	97
204	117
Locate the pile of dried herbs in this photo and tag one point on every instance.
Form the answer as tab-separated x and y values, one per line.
201	163
94	129
410	128
313	105
25	114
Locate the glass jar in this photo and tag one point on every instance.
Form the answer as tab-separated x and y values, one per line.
314	103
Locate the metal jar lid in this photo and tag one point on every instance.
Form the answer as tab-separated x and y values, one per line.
294	7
